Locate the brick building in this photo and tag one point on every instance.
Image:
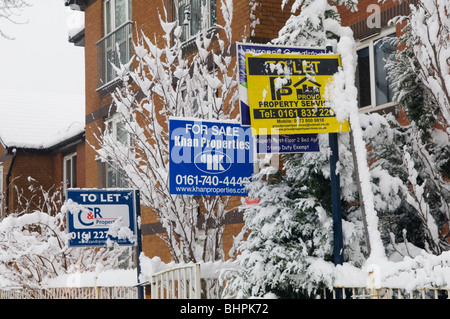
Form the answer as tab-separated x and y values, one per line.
114	21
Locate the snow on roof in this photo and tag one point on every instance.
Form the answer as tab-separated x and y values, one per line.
39	119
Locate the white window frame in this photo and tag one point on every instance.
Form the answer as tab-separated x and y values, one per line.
187	17
71	158
112	122
370	43
116	34
1	190
208	98
111	127
114	26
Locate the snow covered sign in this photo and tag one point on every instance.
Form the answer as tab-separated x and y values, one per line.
265	141
256	49
209	157
98	217
286	93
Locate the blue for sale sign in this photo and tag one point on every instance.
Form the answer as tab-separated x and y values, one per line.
97	217
209	157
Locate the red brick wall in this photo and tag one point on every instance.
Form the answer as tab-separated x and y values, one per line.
349	18
271	17
28	164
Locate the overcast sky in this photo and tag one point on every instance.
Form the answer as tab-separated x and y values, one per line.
41	58
40	70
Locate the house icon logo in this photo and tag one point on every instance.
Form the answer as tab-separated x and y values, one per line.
309	90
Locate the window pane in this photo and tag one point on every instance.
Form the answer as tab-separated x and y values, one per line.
212	9
108	17
1	191
122	134
363	78
115	177
196	16
120	13
74	171
182	22
129	10
111	180
382	51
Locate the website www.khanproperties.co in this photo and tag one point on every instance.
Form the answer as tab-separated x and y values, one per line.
210	190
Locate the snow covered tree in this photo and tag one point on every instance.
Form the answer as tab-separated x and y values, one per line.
34	243
427	57
9	10
421	82
408	178
290	230
165	82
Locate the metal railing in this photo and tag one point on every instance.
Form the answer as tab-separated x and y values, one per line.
113	49
177	283
70	293
385	293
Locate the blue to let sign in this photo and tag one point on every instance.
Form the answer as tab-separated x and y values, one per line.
92	213
209	157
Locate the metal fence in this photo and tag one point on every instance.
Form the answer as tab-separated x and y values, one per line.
113	49
189	282
177	283
384	293
70	293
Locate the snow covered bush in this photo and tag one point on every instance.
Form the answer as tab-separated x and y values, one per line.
420	73
291	228
166	81
9	10
34	244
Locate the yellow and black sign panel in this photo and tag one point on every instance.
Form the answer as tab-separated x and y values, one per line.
286	93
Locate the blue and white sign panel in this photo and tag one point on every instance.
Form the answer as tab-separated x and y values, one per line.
295	143
209	157
93	213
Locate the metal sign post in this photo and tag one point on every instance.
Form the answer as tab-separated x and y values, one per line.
336	201
336	204
138	243
92	212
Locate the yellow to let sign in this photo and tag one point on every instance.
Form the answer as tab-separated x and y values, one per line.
286	93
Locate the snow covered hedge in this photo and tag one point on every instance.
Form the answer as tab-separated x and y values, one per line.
34	245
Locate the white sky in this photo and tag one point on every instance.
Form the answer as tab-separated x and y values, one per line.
41	74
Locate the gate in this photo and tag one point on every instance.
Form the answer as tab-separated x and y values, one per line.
177	283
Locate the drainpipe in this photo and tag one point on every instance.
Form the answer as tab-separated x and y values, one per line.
8	177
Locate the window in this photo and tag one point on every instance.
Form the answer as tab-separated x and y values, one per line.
116	176
206	94
190	16
371	78
116	46
70	171
1	190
